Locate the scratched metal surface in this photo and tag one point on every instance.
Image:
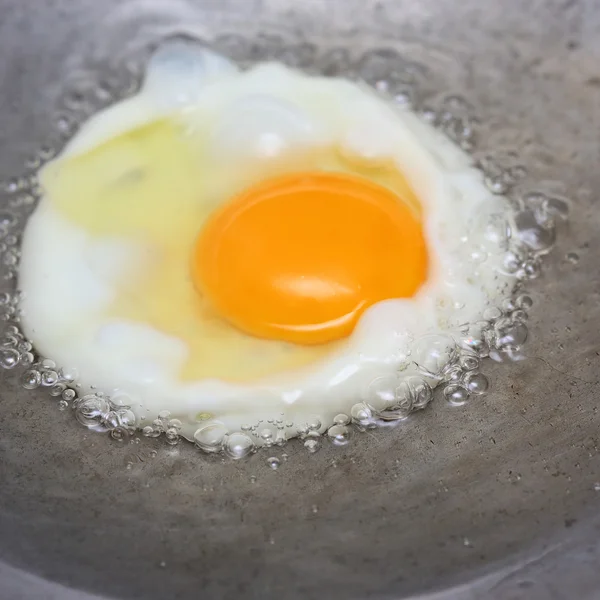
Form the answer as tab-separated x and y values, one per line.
497	499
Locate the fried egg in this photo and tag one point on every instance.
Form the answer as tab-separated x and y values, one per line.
236	246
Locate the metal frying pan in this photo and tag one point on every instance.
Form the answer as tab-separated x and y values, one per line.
496	499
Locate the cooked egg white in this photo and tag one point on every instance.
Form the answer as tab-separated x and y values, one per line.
105	267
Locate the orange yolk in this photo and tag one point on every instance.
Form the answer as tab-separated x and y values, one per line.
299	258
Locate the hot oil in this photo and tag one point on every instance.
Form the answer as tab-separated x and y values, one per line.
452	360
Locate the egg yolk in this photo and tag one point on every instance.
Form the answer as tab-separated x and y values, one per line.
299	258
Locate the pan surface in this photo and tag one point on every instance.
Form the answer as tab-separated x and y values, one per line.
497	499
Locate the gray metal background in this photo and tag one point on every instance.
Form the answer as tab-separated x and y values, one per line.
500	494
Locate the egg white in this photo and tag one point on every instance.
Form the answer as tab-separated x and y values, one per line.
69	277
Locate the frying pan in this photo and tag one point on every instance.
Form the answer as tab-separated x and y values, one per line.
496	499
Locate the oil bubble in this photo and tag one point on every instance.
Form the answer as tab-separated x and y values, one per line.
339	434
31	379
393	401
49	377
496	184
24	346
239	445
558	207
456	104
477	383
151	432
341	419
519	315
210	437
110	420
453	373
404	96
374	65
64	125
5	298
428	115
7	219
538	238
361	414
381	392
509	333
11	186
91	411
495	228
460	130
172	436
9	358
456	395
126	418
469	362
273	462
508	304
312	445
266	435
491	313
532	269
414	391
69	394
119	434
47	152
57	389
512	262
68	374
314	424
433	352
175	424
9	341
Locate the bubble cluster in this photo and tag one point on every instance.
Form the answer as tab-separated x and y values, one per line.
514	243
166	425
457	119
394	397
